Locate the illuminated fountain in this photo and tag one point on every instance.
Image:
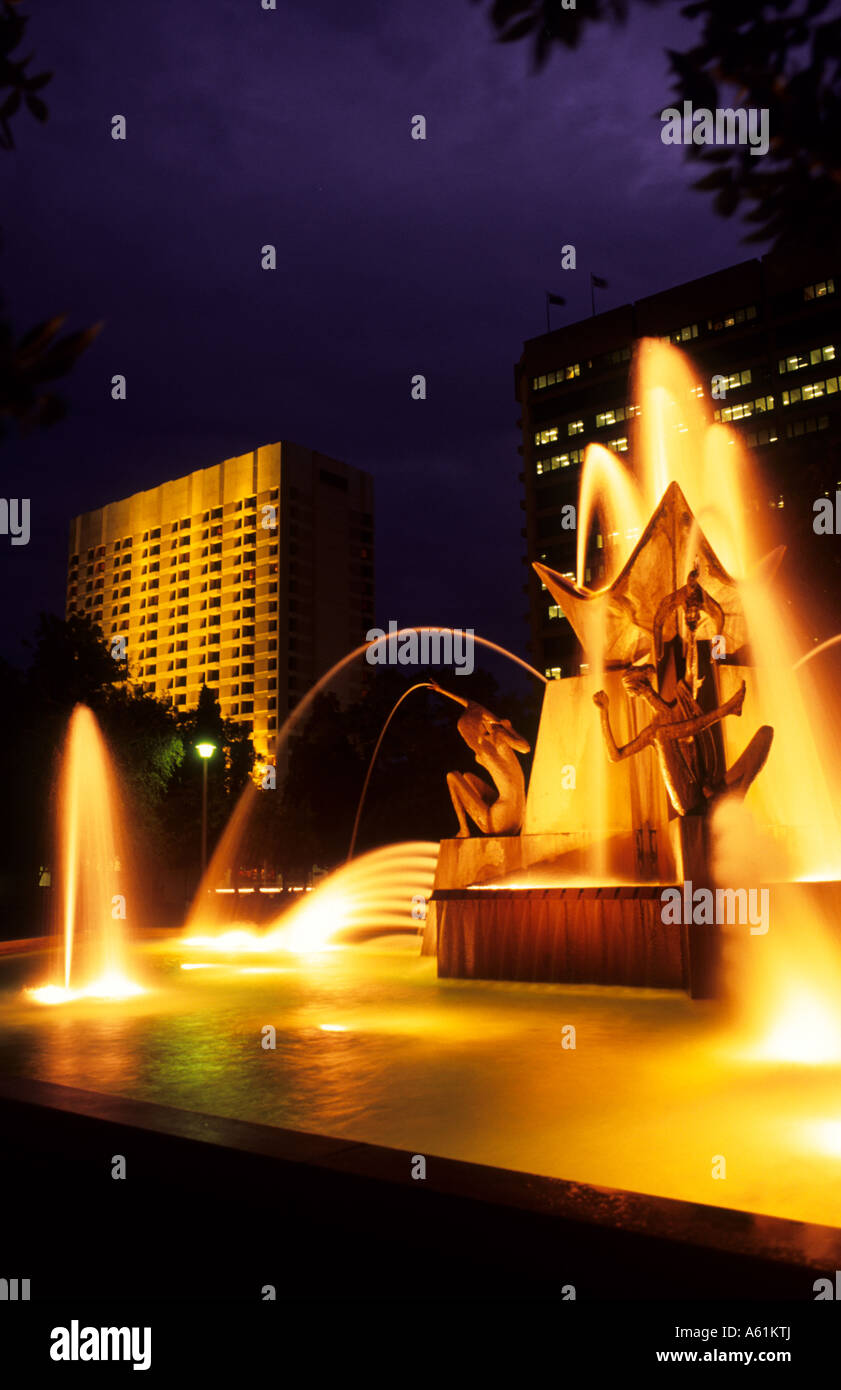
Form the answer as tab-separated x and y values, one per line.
684	754
686	644
541	915
91	888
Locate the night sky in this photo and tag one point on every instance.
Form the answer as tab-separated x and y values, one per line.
395	256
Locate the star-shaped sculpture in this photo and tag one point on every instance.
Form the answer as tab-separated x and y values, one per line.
670	548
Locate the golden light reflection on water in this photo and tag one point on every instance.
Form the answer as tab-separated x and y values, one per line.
824	1136
807	1030
370	1045
114	985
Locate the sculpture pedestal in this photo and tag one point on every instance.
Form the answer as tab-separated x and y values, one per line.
602	936
534	927
500	910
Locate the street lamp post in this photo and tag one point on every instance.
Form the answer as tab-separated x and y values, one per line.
205	752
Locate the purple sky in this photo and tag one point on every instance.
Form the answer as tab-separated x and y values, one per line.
394	257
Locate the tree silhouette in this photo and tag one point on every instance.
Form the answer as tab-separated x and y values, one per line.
13	75
40	356
780	55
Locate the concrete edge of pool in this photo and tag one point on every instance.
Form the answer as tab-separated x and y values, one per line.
288	1206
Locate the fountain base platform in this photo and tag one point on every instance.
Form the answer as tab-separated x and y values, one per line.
500	910
518	908
608	936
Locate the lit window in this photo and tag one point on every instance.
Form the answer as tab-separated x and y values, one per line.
819	290
811	391
730	320
745	409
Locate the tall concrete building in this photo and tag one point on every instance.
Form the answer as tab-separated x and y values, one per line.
771	328
253	576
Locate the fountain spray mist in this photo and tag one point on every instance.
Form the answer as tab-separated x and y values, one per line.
91	871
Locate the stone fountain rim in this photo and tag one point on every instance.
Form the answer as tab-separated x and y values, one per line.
564	1205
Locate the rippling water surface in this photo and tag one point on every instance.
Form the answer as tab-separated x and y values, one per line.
372	1046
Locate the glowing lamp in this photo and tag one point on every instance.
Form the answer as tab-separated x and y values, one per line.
205	751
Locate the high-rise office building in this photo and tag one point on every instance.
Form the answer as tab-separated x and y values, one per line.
771	328
253	576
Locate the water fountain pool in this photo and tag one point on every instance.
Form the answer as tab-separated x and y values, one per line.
372	1047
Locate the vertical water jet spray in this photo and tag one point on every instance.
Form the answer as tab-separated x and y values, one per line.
91	875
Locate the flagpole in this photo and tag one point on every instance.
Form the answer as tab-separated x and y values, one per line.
550	300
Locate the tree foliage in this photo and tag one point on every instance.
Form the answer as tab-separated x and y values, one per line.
29	362
19	88
780	55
